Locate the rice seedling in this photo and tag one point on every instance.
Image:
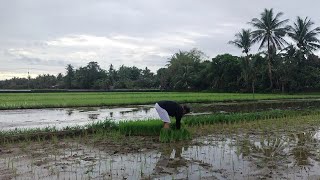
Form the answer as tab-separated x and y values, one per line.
239	117
143	128
152	127
103	125
173	135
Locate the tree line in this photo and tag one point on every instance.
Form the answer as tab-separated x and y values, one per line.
276	66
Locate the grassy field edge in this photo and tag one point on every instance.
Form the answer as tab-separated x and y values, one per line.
62	100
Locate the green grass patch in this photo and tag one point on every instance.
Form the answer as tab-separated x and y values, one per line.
77	99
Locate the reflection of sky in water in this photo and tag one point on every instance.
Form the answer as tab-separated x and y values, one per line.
88	164
62	117
250	157
215	158
193	162
317	135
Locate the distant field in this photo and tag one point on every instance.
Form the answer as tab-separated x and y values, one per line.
48	100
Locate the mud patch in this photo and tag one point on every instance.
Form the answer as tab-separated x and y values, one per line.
284	150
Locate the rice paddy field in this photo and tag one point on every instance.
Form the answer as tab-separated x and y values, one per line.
50	100
279	141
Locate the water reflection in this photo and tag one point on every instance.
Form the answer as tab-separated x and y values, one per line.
277	153
62	117
268	150
304	143
146	110
269	155
83	163
176	163
93	116
235	156
170	158
69	112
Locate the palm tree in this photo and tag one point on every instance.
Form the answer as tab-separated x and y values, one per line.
270	30
305	37
244	41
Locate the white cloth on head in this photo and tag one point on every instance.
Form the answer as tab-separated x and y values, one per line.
162	113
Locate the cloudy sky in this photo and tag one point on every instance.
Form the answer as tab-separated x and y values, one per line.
43	36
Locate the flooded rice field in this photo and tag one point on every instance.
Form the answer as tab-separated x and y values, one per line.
261	105
283	148
293	155
62	117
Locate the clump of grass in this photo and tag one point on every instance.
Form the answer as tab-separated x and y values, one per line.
173	135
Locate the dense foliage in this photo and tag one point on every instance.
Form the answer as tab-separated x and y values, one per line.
277	66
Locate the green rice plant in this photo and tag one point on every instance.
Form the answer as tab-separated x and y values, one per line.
103	125
81	99
141	128
173	135
152	127
238	117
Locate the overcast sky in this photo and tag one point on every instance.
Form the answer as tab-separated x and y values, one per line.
46	35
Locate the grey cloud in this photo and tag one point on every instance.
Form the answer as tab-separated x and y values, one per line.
207	24
37	61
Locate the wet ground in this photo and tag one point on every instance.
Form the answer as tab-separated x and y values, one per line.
253	106
265	149
290	151
62	117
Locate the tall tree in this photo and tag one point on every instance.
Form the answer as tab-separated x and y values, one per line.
163	78
244	41
146	79
111	76
184	67
304	36
224	72
270	31
86	76
69	76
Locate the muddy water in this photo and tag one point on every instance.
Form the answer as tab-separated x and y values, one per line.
229	156
62	117
261	105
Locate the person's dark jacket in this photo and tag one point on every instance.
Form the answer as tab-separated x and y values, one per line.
174	110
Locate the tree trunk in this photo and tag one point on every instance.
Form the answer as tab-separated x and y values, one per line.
269	66
247	81
253	89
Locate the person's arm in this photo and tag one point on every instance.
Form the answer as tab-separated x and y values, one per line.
178	122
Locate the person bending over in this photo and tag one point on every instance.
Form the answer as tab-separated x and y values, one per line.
173	109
